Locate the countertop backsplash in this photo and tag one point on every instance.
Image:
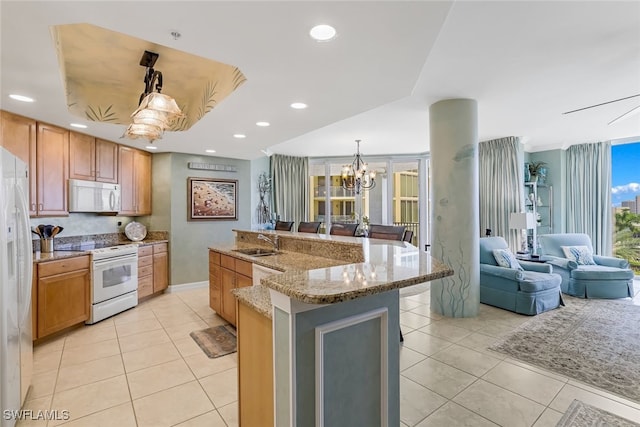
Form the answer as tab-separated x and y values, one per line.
82	224
99	238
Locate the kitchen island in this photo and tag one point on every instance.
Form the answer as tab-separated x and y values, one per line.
334	322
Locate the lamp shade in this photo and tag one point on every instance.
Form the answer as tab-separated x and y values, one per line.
522	220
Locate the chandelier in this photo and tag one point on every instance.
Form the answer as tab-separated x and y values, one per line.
156	111
356	177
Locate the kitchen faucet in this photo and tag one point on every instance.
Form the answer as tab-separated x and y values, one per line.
275	242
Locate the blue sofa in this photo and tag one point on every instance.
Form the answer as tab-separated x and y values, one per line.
609	278
533	290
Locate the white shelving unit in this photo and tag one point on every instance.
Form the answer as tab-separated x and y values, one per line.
539	201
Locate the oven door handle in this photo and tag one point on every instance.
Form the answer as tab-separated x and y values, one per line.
127	259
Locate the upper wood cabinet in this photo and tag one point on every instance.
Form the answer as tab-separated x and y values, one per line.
92	159
135	181
52	172
82	156
19	137
106	161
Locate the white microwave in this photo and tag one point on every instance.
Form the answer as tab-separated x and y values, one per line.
91	196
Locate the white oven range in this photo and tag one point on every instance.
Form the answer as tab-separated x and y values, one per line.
114	281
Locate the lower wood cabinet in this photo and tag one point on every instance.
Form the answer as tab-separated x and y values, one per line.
63	294
225	274
153	269
255	368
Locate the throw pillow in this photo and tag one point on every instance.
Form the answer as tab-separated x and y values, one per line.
580	254
505	258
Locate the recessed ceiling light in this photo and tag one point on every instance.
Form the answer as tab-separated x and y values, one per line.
322	32
151	147
263	124
298	105
210	151
21	98
78	125
239	135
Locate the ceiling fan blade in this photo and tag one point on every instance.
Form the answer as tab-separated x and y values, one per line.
603	103
634	110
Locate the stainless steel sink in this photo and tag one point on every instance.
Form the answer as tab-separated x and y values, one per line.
257	252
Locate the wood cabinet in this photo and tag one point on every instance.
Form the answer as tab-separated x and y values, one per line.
92	159
52	172
63	294
160	267
153	269
225	274
255	368
19	137
135	181
145	271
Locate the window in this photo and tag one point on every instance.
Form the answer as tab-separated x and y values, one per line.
625	196
399	196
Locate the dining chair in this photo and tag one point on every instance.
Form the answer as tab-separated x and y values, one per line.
408	236
342	229
308	227
387	232
284	225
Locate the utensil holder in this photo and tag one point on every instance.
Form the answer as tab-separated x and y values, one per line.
46	245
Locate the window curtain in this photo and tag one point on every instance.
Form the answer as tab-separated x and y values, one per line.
290	180
501	187
589	193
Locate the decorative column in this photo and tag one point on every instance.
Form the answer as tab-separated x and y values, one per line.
455	200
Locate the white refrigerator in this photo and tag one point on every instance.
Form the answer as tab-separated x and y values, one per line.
16	263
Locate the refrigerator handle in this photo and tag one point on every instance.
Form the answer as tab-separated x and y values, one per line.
25	257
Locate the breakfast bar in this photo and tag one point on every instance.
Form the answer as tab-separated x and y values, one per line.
333	313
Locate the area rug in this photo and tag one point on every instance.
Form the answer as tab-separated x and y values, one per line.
216	341
593	341
581	414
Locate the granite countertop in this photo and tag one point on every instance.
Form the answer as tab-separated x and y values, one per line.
256	297
62	254
56	255
320	280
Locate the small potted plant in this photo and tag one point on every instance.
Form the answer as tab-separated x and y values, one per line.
537	169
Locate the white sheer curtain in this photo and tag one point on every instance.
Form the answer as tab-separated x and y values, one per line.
501	187
290	180
589	193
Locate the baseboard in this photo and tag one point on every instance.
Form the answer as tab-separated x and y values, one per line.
186	287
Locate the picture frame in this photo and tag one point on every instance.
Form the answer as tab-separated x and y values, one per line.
210	199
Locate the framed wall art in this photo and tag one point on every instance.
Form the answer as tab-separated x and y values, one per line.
212	199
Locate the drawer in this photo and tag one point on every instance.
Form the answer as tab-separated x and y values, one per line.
244	267
63	266
145	261
145	250
159	248
214	257
228	262
145	271
145	286
243	281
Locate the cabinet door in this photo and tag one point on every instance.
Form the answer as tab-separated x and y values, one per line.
160	271
227	281
125	178
215	295
52	158
143	182
82	156
63	301
106	161
19	137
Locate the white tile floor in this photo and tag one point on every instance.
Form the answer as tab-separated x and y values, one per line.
141	368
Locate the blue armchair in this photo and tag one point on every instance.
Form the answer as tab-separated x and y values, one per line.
532	290
608	278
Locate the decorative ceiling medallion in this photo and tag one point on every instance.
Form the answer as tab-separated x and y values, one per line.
102	77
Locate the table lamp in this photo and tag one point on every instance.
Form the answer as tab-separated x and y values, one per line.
524	221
